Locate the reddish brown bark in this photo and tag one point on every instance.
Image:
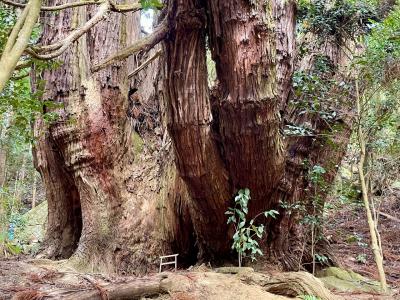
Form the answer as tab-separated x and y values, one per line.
64	221
83	151
325	147
190	126
243	46
133	209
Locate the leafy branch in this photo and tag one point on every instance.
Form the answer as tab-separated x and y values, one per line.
244	239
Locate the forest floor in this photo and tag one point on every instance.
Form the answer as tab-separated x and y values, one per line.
347	230
44	279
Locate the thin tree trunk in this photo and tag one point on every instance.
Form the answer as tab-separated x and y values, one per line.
3	151
3	166
34	190
371	224
19	181
18	40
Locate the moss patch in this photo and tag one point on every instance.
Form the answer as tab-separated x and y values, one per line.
32	232
347	281
137	142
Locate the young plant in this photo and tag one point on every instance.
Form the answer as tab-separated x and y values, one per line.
245	233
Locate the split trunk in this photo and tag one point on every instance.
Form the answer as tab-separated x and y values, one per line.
137	168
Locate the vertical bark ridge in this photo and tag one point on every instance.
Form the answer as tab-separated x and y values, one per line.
325	147
285	19
64	221
91	132
189	123
243	45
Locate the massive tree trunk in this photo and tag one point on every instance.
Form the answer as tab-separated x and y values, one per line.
118	204
81	156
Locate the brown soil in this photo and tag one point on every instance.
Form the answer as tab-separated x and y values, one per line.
45	279
347	230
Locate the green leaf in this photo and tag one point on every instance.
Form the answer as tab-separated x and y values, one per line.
272	213
148	4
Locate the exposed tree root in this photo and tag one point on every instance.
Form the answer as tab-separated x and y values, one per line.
129	290
291	284
52	280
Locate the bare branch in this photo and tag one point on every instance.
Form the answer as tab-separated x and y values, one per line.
18	41
56	7
59	47
15	31
144	44
114	7
23	64
18	77
145	64
125	7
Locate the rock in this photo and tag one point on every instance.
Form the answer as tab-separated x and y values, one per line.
31	233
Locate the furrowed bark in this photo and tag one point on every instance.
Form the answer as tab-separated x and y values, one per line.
190	120
90	133
64	223
326	147
222	142
285	18
243	46
126	220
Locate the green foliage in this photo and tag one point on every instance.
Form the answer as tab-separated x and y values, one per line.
7	246
321	258
318	94
19	105
7	20
19	108
379	116
382	49
149	4
245	233
309	297
10	208
295	130
316	175
361	258
345	19
311	216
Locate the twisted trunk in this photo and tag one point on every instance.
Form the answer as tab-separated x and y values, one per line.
80	156
115	208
